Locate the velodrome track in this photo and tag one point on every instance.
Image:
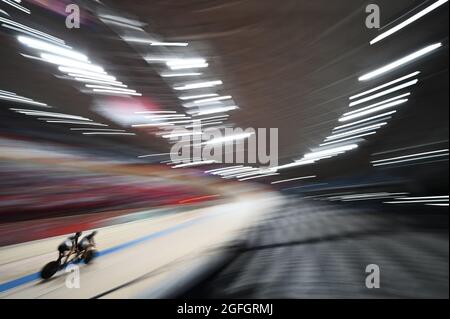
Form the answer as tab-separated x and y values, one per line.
136	259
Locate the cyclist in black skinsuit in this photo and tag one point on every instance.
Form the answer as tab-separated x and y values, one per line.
68	244
72	250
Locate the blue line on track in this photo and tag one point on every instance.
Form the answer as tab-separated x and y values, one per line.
35	276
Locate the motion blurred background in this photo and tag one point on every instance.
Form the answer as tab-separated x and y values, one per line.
89	115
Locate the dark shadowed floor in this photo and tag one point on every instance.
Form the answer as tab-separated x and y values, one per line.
319	250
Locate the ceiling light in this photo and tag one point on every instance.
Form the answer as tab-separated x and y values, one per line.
213	99
411	155
229	138
408	21
107	133
330	151
383	93
55	59
17	6
116	92
52	48
173	75
223	169
365	120
393	65
347	139
216	110
410	159
371	110
198	85
170	44
195	163
199	96
359	130
384	85
259	176
293	179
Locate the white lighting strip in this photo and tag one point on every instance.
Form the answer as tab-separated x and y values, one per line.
425	197
189	66
384	85
174	75
230	138
298	163
180	122
176	61
152	124
62	61
96	129
383	93
30	34
30	31
137	40
17	98
81	72
17	6
106	78
215	110
158	59
199	163
170	44
366	196
55	115
249	171
155	112
330	151
254	172
76	122
408	156
61	119
293	179
105	87
77	66
413	201
259	176
107	133
100	82
230	169
156	155
213	99
377	121
372	110
364	120
217	170
179	64
52	48
347	139
410	160
113	91
167	117
408	21
199	96
200	85
359	130
400	62
218	117
109	80
121	24
233	174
